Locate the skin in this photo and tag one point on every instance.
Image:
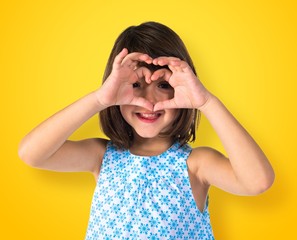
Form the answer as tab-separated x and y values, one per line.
245	170
147	123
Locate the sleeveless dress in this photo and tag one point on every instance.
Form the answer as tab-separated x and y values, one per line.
139	197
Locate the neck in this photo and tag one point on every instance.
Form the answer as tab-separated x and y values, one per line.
150	146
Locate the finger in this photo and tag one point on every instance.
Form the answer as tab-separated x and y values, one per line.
167	104
145	58
141	102
120	57
182	66
173	63
175	68
161	73
162	61
135	57
145	73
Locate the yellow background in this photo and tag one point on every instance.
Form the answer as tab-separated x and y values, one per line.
54	51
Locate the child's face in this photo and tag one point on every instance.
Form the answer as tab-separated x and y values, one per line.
149	124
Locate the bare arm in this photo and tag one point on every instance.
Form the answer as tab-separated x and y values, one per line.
246	171
47	146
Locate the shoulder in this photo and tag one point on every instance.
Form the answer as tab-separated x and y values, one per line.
100	145
202	159
95	146
203	153
95	149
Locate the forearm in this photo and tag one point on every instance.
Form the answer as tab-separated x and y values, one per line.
248	161
44	140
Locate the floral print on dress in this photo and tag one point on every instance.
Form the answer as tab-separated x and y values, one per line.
140	197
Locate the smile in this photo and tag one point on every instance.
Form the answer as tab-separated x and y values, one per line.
148	117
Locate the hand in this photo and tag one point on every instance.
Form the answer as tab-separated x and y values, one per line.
189	92
118	87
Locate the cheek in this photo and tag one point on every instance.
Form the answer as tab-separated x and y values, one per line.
125	111
171	94
172	114
162	94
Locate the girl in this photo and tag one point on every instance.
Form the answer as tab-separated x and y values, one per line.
150	183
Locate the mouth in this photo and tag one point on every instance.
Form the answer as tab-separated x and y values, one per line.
148	117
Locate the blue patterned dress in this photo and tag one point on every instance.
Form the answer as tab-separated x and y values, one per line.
140	197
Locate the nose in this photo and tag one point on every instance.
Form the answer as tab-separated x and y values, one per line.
150	94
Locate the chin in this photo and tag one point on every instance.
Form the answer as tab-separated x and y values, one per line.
147	134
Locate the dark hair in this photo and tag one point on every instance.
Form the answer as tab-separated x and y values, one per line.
156	40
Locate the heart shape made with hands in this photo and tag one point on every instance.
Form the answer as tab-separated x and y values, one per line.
130	68
151	74
180	77
188	90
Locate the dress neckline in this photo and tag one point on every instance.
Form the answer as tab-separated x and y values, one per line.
175	145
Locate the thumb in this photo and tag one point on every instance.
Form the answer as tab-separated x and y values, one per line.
167	104
142	102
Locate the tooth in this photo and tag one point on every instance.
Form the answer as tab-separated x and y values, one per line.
148	115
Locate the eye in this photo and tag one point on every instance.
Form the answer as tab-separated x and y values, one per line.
164	85
136	85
